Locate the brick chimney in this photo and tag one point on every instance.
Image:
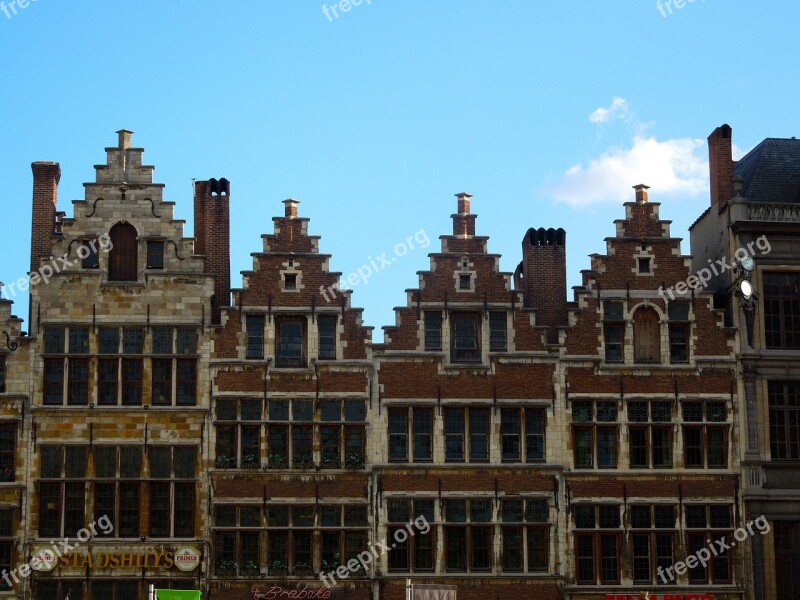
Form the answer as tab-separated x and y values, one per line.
213	238
463	221
290	208
720	164
544	277
46	176
641	193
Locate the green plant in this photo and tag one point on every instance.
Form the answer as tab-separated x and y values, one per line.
328	566
354	461
251	568
250	461
330	461
226	462
276	461
302	567
278	567
303	463
227	567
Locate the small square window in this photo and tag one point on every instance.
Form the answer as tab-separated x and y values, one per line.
155	255
644	265
464	282
290	281
89	260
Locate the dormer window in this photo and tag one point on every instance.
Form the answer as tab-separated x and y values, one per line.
464	282
644	265
290	281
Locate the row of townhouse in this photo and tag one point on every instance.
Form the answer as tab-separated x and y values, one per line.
254	442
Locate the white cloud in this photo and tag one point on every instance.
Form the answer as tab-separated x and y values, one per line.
670	167
617	110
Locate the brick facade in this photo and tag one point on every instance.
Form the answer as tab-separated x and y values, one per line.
505	415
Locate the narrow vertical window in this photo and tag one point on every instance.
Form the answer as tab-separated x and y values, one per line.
255	337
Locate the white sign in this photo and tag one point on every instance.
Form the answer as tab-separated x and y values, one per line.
44	560
187	559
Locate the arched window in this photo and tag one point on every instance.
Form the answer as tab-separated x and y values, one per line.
646	336
122	258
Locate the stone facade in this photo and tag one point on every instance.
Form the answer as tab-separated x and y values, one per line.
501	439
755	213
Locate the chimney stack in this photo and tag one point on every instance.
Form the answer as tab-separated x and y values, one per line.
463	221
720	164
544	277
124	138
290	208
213	238
641	193
46	176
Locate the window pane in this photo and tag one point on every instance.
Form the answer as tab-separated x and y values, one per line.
251	410
534	434
162	340
278	410
538	511
454	434
455	511
186	340
186	382
480	511
108	340
509	431
105	461
497	328
327	337
538	549
255	336
423	438
302	410
54	340
606	446
133	340
185	462
160	467
456	543
355	410
512	549
583	447
79	340
330	410
433	330
75	462
398	510
398	434
479	434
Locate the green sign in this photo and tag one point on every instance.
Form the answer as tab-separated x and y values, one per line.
178	595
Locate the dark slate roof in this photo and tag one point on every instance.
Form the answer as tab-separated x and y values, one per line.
771	171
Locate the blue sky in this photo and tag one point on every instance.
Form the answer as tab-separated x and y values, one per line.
547	112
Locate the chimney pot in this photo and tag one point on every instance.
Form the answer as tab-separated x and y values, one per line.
641	193
124	138
291	208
